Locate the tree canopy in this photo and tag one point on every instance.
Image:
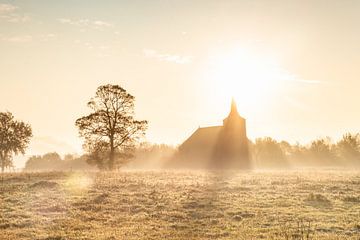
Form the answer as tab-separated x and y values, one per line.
14	138
111	129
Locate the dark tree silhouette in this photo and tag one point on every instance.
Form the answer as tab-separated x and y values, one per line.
98	153
111	127
14	138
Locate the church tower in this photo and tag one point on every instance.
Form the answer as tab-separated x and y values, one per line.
231	149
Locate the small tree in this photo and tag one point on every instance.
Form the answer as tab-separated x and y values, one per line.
111	128
14	139
98	153
322	152
349	148
268	153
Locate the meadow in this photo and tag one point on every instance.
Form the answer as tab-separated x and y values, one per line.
311	204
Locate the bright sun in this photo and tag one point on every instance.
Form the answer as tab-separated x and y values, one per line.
248	77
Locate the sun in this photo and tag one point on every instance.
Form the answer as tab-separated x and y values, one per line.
250	78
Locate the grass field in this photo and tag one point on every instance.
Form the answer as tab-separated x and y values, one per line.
181	205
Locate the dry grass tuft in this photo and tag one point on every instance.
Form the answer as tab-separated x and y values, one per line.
44	184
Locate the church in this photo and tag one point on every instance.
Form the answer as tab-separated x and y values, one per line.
217	147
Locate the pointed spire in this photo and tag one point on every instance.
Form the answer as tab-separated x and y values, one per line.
233	112
233	106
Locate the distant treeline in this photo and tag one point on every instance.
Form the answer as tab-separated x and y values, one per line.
146	156
53	162
266	153
269	153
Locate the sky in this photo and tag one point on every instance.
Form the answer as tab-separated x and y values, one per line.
292	66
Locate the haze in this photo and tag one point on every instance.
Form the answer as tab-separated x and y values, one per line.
292	66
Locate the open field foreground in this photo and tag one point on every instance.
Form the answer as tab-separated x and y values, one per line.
181	205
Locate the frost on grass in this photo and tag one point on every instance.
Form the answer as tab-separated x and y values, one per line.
180	205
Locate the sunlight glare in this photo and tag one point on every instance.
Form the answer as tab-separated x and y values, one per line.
251	79
79	182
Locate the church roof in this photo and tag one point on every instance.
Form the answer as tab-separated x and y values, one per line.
207	144
205	136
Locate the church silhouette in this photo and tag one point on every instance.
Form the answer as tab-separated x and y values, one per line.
223	147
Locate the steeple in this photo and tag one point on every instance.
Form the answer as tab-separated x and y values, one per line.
233	112
233	107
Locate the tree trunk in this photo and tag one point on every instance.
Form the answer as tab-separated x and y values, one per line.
112	154
111	159
2	163
2	168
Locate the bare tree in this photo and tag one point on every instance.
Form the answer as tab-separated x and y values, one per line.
111	126
14	138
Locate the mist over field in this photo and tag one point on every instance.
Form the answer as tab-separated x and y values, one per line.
266	153
206	119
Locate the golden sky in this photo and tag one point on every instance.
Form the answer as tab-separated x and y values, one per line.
292	66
